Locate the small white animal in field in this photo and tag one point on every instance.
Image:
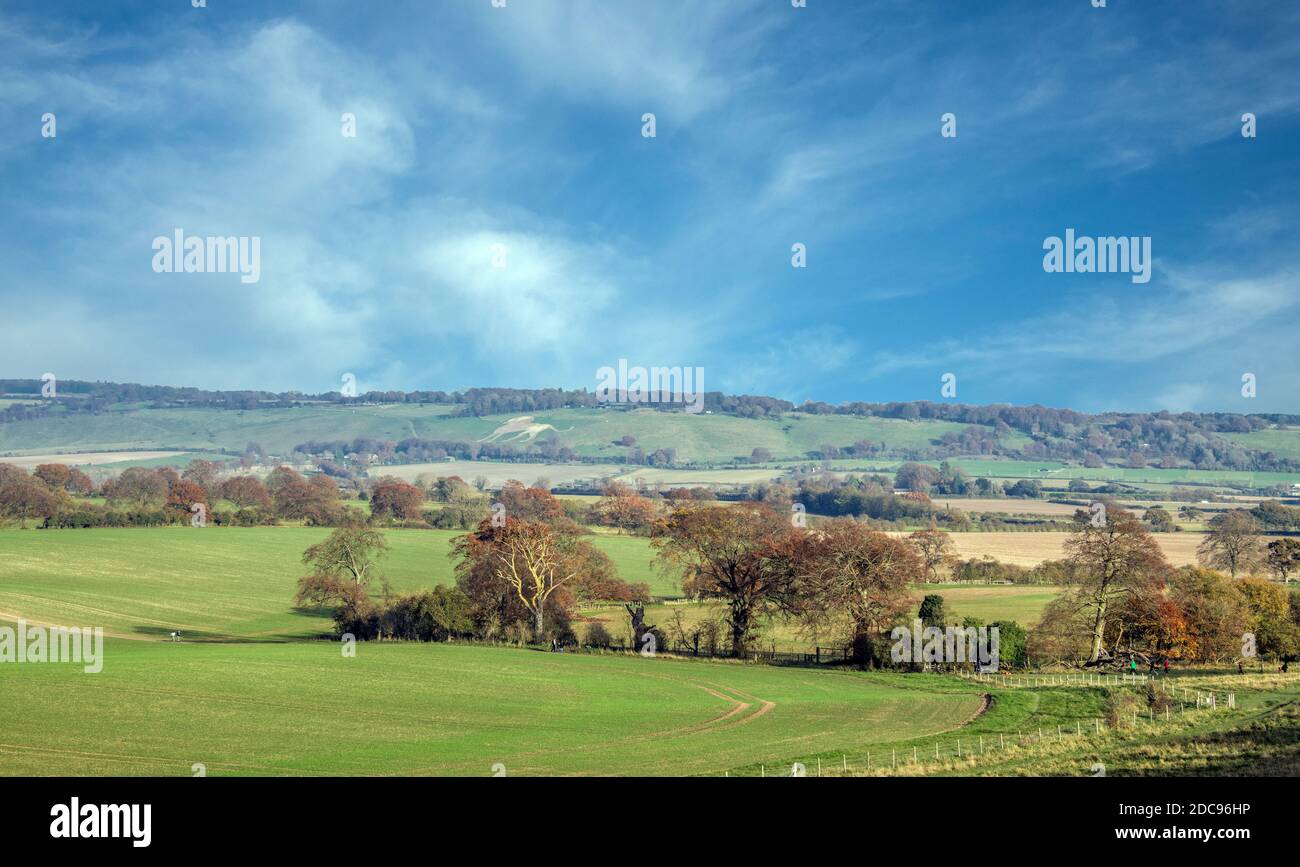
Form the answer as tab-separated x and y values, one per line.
176	636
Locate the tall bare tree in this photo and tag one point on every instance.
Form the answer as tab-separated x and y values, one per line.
533	560
1232	543
1114	558
936	551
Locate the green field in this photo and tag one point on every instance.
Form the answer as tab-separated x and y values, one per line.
248	692
217	583
438	709
1285	442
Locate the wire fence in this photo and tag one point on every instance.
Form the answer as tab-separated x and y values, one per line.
968	750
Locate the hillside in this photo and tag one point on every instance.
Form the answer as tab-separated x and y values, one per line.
590	433
553	425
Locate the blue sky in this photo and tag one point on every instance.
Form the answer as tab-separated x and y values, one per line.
521	126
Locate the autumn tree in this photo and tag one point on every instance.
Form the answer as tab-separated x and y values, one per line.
139	486
916	477
24	497
935	549
205	474
1232	543
246	492
53	475
728	554
392	497
293	496
184	495
530	560
529	504
1112	561
79	483
1218	613
1150	623
845	570
622	507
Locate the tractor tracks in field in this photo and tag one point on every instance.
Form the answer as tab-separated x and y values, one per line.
737	715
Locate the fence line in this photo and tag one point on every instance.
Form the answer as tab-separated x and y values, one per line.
973	746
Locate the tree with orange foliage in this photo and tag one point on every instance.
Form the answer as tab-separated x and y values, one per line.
529	504
530	559
184	495
54	475
246	492
622	507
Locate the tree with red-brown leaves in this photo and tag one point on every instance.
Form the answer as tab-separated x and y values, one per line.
54	475
292	495
739	555
392	497
23	497
79	483
185	495
246	492
622	507
139	486
1114	557
529	504
849	573
204	474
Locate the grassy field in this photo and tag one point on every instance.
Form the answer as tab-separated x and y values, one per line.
412	709
1284	442
247	694
217	583
442	710
225	584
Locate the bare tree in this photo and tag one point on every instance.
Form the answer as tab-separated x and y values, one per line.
350	552
936	550
1113	558
528	556
1232	543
